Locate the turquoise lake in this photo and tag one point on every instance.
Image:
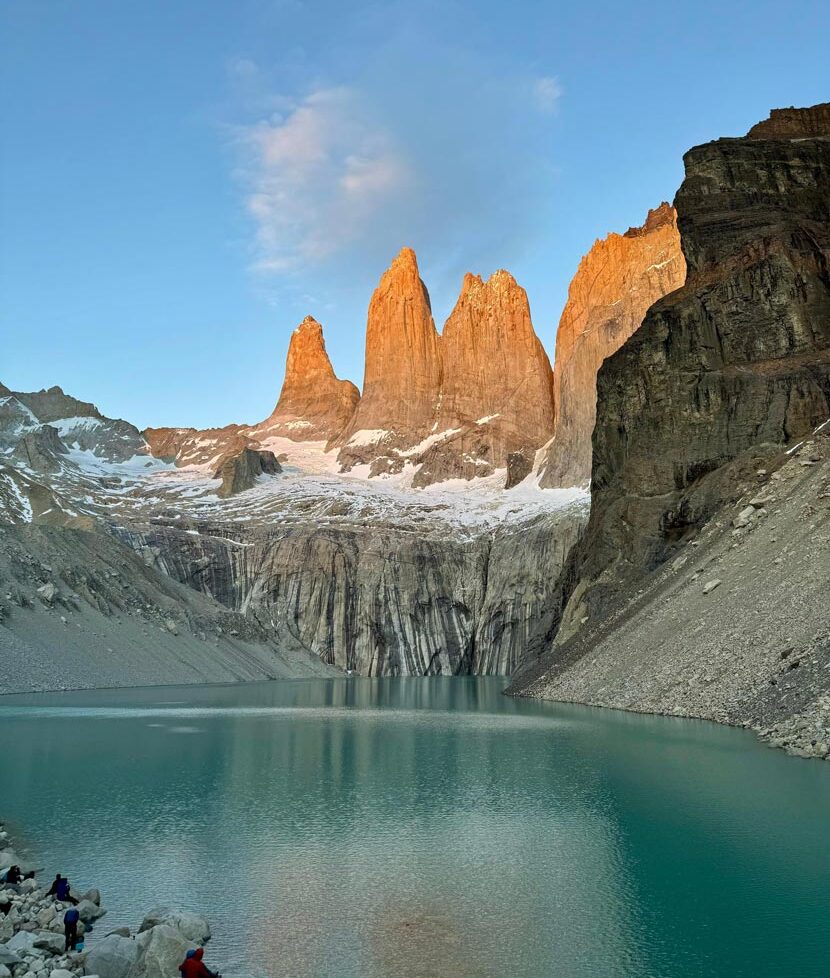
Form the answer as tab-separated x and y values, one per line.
405	828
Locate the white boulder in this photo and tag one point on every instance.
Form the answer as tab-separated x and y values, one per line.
114	957
162	949
191	926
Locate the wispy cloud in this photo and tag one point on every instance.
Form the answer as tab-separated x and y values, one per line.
546	93
317	176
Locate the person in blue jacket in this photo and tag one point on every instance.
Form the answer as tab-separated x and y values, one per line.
60	890
70	927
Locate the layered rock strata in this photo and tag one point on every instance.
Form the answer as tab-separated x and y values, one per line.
380	599
722	374
615	284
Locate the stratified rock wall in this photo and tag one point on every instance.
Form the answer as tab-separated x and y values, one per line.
616	283
739	357
380	600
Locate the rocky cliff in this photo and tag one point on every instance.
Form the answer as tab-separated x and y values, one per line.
496	391
380	599
402	376
699	403
313	404
344	572
615	284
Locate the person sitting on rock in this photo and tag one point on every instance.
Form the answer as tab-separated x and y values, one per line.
13	876
194	967
70	928
60	890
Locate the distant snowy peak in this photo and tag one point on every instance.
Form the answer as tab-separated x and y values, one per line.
50	421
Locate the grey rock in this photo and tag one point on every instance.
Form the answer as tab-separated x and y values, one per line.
710	586
114	957
48	941
191	926
22	942
47	593
9	956
89	911
239	472
162	950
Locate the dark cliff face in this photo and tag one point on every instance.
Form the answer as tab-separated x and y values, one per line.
738	357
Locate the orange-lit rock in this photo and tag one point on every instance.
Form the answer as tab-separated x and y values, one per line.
615	284
313	405
496	395
402	375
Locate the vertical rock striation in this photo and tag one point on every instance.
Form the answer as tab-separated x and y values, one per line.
313	404
496	394
615	284
402	376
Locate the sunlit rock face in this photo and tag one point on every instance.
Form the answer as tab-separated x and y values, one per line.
402	377
615	284
739	357
313	405
496	393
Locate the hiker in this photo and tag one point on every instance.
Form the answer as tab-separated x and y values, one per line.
194	967
70	928
60	890
14	877
187	957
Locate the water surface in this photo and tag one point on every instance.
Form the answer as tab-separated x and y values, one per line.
409	828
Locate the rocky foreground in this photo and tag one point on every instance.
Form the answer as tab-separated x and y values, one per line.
32	942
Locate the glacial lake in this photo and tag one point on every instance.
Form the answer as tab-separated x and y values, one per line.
427	827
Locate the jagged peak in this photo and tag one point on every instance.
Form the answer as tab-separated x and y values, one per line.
308	324
499	281
405	261
307	353
657	217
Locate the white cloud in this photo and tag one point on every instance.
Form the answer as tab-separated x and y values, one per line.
317	176
546	93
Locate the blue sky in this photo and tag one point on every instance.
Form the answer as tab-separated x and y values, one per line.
183	182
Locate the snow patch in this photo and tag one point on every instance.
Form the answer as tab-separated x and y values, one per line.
367	436
24	507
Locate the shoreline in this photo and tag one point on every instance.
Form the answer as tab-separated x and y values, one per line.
775	738
33	942
778	737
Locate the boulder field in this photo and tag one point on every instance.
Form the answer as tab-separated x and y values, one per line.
32	942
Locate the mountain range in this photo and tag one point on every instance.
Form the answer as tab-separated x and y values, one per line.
473	509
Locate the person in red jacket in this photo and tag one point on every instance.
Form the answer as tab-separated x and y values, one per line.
194	967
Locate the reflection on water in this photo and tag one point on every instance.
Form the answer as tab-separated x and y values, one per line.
403	828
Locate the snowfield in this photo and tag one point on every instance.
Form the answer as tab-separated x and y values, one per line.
310	488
